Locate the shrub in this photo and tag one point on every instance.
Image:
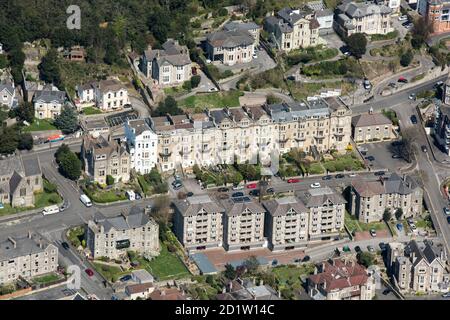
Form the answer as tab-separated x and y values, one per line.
195	81
50	187
187	85
109	180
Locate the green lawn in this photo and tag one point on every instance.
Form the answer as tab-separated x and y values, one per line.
347	162
47	199
165	266
290	274
40	125
351	222
387	36
76	236
105	196
46	279
212	100
111	273
174	91
91	110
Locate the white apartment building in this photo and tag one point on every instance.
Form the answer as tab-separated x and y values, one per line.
198	223
286	223
326	213
26	257
113	237
361	17
48	103
143	145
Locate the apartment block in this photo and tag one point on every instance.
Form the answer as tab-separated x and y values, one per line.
371	127
168	66
286	223
113	237
292	29
326	213
248	26
105	157
437	13
369	199
48	103
364	17
339	279
27	256
420	267
243	227
198	223
142	143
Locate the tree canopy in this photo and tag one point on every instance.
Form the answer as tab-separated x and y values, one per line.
67	121
357	44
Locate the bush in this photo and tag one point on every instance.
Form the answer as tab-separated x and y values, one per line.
195	81
109	180
187	85
222	12
406	58
50	187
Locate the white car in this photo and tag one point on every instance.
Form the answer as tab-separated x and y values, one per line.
352	175
315	185
238	187
403	18
213	89
208	61
254	56
373	232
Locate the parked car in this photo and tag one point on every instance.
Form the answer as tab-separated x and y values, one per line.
64	206
237	194
328	177
382	246
447	211
358	249
306	258
125	278
65	245
367	85
446	295
138	196
403	18
379	173
399	226
89	272
413	119
346	249
412	96
254	192
373	232
402	80
352	175
396	156
270	190
370	158
448	220
315	185
238	187
254	56
189	194
223	189
293	180
370	248
386	292
177	186
339	176
392	85
252	186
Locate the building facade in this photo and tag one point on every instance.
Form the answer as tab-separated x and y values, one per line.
198	223
142	142
111	95
292	29
369	199
230	47
26	257
338	279
7	94
105	157
249	26
48	103
436	13
441	130
368	18
371	127
169	66
113	237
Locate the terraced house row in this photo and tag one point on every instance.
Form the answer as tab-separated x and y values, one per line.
244	133
241	224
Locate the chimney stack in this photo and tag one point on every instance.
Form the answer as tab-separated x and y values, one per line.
13	242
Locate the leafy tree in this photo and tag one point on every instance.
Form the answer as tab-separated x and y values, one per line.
50	187
230	272
67	121
24	112
168	106
63	149
25	141
365	258
420	32
357	44
406	58
195	81
70	165
109	180
3	61
251	264
271	99
399	213
187	85
49	69
8	140
387	215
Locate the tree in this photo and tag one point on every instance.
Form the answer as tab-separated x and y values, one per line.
365	258
195	81
49	69
168	106
271	99
3	61
357	44
387	215
67	121
251	264
109	180
8	140
230	272
161	210
50	187
24	112
399	213
406	58
421	30
25	141
69	163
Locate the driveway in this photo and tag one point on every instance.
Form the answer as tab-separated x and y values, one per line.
383	156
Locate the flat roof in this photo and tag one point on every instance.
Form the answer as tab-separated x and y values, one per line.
203	263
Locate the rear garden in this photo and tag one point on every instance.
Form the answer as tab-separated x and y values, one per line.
312	54
227	174
40	125
199	102
353	225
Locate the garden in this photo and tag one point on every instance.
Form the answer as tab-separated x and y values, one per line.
331	69
227	174
88	111
311	54
212	100
40	125
152	183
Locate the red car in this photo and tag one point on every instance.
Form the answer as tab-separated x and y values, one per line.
293	180
252	186
89	272
402	79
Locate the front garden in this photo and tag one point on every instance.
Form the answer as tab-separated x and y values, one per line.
227	174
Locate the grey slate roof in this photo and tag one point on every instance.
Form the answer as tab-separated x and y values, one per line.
359	10
282	112
235	25
135	219
8	87
172	53
370	119
281	206
139	126
230	39
317	197
24	246
393	184
32	166
423	251
235	209
48	96
10	164
193	205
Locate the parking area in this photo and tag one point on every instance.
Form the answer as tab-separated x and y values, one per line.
380	156
332	40
259	64
365	235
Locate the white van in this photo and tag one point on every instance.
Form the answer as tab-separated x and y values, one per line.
50	210
131	195
86	201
